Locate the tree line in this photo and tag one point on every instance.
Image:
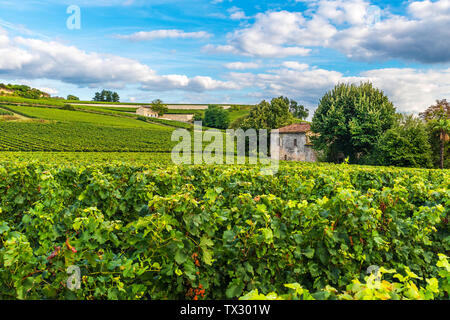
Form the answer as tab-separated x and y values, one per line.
360	125
106	96
24	91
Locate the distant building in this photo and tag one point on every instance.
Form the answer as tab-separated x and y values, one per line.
178	117
146	112
295	144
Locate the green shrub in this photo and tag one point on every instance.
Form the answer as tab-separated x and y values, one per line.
162	232
402	287
68	107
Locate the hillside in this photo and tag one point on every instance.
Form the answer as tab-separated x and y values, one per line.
52	129
22	91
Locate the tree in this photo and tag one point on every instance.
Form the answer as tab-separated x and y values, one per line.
106	96
97	97
442	127
197	116
349	121
25	91
115	97
159	107
72	97
216	117
438	119
298	111
406	144
267	115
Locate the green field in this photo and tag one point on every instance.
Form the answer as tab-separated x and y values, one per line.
86	158
84	117
64	130
4	112
20	100
97	189
238	114
144	230
79	136
109	110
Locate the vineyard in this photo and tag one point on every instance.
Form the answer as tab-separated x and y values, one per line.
20	100
87	158
78	136
4	112
157	231
98	193
75	116
55	129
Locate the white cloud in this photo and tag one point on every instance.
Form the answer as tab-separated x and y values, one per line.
355	27
274	34
295	65
37	59
237	13
242	65
427	9
410	90
51	91
163	34
354	12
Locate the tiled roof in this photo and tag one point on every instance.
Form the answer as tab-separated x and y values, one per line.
296	128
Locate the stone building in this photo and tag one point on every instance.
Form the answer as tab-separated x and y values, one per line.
178	117
295	144
146	112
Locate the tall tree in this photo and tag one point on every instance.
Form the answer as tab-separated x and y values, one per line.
438	118
216	117
349	120
406	144
159	107
106	96
298	111
72	97
97	97
267	115
115	97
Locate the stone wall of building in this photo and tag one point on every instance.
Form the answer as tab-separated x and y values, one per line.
294	147
178	117
146	112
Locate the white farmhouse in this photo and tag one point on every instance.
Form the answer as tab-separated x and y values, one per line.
146	112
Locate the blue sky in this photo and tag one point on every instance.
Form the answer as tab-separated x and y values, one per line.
229	51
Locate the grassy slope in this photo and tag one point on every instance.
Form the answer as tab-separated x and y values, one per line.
76	116
82	131
238	114
87	158
80	136
47	102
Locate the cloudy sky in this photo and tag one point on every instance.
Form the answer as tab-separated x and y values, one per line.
228	51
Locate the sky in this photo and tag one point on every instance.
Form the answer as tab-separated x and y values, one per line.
228	51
